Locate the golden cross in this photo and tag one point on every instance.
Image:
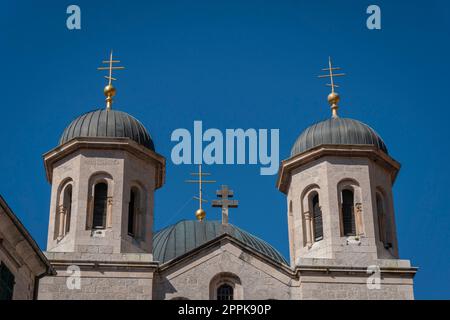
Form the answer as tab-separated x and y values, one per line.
200	212
331	75
109	90
333	97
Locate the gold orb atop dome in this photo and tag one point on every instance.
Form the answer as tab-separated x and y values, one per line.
109	90
333	98
200	214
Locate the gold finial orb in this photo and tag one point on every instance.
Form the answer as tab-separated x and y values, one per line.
109	90
333	98
200	214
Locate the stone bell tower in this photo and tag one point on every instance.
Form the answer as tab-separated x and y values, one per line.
103	173
342	233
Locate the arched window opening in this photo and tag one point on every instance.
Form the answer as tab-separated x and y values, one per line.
67	208
290	207
317	218
100	205
133	209
348	213
226	286
312	223
225	292
63	212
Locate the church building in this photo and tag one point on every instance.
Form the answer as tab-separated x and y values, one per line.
102	244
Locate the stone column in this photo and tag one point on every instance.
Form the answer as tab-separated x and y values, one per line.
109	212
359	219
62	221
90	212
308	229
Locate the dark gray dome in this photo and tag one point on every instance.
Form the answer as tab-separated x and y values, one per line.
338	131
186	235
107	123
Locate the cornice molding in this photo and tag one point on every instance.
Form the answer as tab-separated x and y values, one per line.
106	143
349	151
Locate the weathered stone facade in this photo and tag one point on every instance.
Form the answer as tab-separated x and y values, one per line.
121	165
198	275
95	276
338	249
341	266
107	262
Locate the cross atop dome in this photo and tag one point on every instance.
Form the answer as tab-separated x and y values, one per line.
333	97
109	89
200	213
224	193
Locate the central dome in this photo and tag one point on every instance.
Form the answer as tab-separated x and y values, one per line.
337	131
186	235
108	123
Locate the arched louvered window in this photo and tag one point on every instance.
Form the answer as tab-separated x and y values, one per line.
348	214
133	207
317	218
225	292
100	205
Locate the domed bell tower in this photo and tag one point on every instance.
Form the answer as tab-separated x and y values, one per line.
338	184
103	174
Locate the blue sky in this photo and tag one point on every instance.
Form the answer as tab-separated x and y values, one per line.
236	64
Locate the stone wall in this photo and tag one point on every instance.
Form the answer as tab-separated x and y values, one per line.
353	288
90	276
326	175
23	276
332	279
121	170
98	285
